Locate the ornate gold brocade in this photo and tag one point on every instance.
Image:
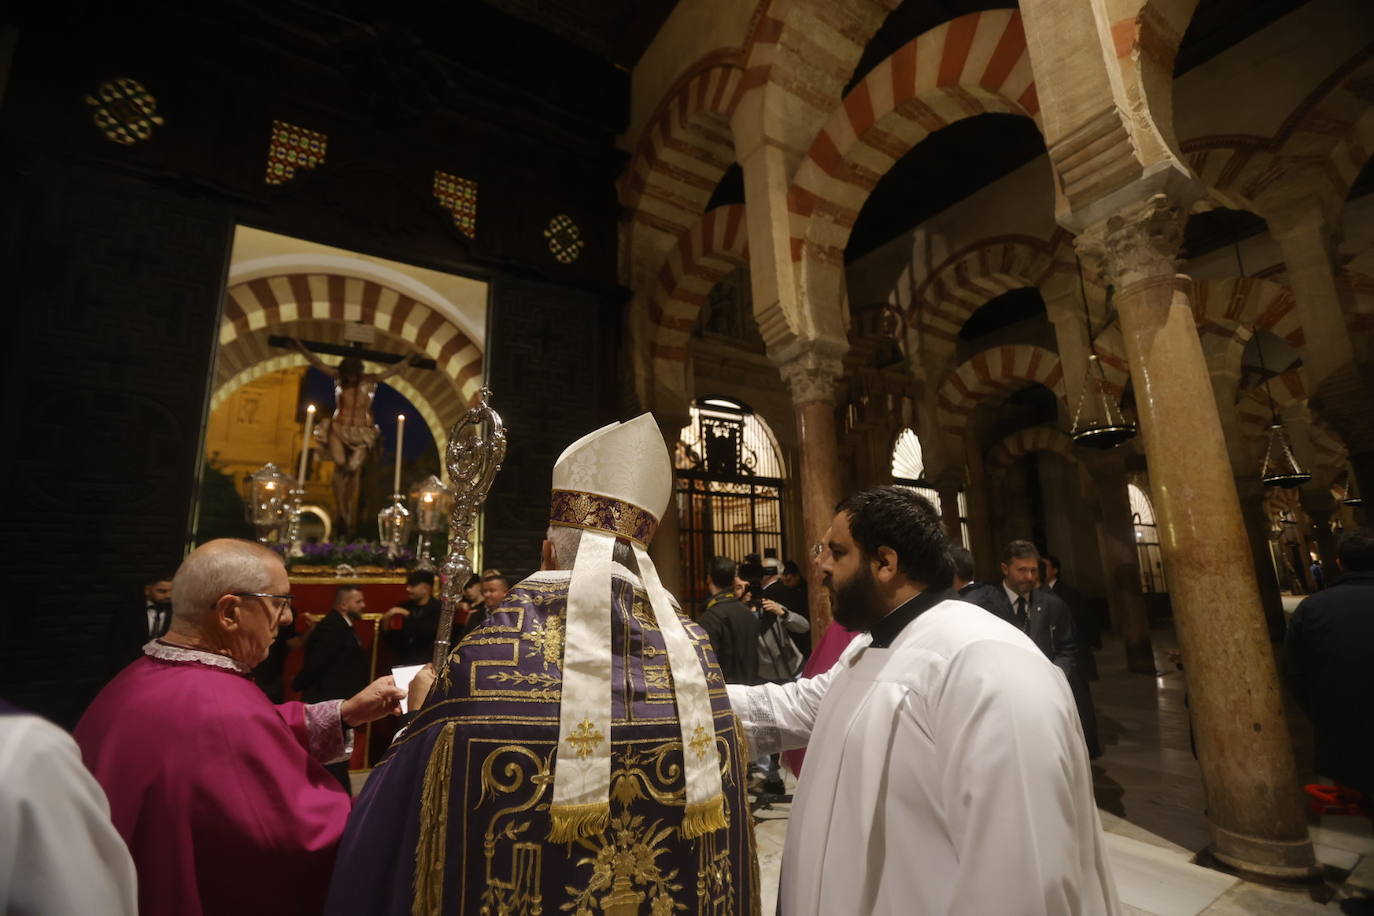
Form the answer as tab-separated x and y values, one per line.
636	861
576	509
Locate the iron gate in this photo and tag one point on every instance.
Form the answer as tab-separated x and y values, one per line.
729	491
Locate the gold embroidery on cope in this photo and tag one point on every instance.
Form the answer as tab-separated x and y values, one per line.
585	738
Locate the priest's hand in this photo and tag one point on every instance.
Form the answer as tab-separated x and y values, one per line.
420	686
380	698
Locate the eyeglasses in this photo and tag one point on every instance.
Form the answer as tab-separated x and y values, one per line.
283	601
817	550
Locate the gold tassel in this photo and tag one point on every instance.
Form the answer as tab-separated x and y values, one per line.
433	844
572	821
704	817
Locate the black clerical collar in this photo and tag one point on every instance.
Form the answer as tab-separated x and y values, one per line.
887	629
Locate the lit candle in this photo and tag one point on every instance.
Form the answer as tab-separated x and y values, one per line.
305	444
400	437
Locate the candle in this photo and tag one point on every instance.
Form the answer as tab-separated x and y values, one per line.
305	444
400	438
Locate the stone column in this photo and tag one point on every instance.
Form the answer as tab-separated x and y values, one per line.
1253	807
1245	462
810	376
1121	563
982	531
1304	235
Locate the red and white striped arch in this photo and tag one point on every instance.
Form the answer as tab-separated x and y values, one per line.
965	281
988	377
1331	129
269	301
1360	318
1024	442
1224	307
715	246
683	151
972	65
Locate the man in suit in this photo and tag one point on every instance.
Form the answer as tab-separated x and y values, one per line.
1084	622
1046	619
732	627
336	663
131	631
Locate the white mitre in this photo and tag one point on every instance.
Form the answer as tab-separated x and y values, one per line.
618	479
615	484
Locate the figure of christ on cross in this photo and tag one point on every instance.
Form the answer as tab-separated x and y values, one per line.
347	437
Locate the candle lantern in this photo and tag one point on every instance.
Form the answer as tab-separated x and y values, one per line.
433	502
269	499
393	524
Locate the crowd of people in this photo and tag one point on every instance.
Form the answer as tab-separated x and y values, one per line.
583	748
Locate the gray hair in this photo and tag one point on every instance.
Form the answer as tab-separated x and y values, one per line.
566	541
215	569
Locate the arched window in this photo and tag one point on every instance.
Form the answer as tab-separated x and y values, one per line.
1146	541
909	469
729	488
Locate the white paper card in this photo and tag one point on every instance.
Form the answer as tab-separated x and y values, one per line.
404	675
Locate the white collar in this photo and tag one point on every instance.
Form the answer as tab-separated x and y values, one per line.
1012	596
165	651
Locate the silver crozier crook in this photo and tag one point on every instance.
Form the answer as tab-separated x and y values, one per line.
473	460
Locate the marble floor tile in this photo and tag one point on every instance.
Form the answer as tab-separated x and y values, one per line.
1354	834
1162	881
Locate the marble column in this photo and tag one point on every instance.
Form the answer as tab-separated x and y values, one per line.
1121	563
810	377
1254	811
1245	462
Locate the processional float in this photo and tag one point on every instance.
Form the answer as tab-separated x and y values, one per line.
476	448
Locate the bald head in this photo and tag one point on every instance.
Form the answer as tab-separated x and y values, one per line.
217	568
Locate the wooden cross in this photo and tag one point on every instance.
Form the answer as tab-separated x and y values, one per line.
354	349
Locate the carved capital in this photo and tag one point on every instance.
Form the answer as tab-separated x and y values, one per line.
1142	242
811	377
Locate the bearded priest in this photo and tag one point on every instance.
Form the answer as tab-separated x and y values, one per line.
577	753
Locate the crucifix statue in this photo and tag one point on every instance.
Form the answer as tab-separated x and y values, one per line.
347	437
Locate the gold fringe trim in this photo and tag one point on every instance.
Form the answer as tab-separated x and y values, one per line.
573	821
432	847
704	818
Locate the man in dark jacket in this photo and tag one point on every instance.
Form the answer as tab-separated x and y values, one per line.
1084	621
336	664
1329	662
733	628
1046	619
967	587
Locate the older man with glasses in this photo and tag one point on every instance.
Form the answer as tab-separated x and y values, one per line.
208	781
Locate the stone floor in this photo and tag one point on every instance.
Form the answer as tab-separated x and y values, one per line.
1153	809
